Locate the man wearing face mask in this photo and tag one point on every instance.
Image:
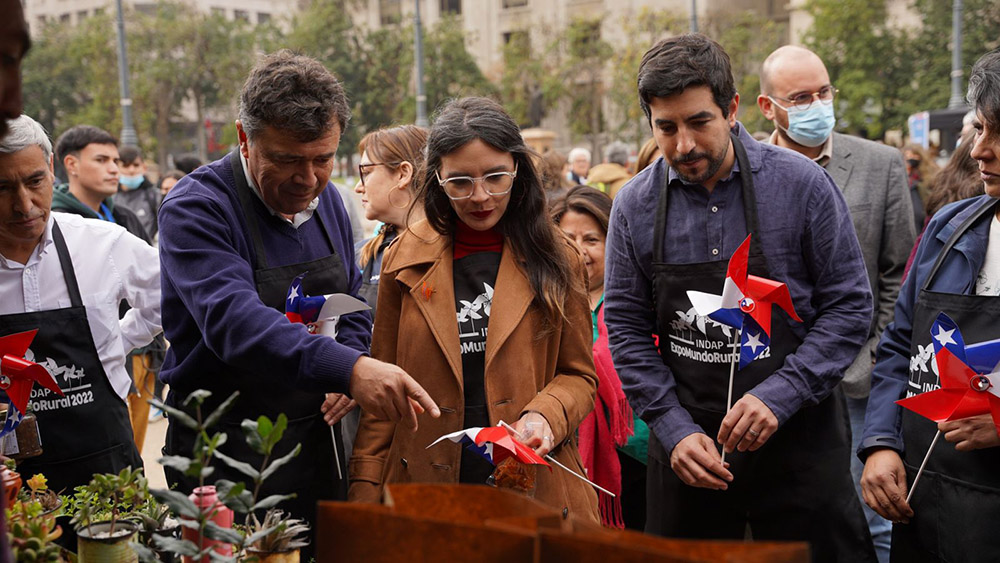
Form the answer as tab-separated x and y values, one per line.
797	96
136	192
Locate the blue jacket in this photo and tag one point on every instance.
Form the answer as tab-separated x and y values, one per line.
212	315
957	275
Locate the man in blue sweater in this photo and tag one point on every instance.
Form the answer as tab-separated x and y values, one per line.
233	235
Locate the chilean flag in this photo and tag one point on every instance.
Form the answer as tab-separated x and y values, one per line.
745	304
970	377
300	308
494	443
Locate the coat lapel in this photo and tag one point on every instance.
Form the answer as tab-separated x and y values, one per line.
511	298
428	272
840	165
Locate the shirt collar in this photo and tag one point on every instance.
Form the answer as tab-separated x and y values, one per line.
40	249
298	219
824	155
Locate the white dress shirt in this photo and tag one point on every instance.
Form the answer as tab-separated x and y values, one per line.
111	265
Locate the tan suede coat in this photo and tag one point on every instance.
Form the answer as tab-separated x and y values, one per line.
416	328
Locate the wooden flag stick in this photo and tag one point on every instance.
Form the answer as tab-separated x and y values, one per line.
923	463
732	372
553	460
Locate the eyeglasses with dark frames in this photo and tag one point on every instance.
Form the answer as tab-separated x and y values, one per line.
362	167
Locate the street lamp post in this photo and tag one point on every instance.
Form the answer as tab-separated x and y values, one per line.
694	16
128	137
957	99
418	54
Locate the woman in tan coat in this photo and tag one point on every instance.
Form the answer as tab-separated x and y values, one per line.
485	304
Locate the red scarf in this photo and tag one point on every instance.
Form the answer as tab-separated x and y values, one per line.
607	426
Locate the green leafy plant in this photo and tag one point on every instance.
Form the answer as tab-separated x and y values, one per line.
112	496
281	533
38	490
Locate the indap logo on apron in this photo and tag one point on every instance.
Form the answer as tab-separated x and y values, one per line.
701	339
72	380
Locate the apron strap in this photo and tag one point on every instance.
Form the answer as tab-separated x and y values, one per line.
749	204
66	262
962	228
246	202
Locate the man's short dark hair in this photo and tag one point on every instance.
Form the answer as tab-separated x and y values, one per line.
129	154
677	63
75	139
187	163
984	89
292	93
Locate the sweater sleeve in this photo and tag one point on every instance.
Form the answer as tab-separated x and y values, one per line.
215	283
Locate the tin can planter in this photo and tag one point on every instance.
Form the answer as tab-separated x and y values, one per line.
291	556
95	545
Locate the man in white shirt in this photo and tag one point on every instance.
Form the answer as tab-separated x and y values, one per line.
65	276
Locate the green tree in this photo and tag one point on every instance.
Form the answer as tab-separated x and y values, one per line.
868	60
641	31
748	38
449	69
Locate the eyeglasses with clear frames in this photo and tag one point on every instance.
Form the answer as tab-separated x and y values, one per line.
804	100
496	184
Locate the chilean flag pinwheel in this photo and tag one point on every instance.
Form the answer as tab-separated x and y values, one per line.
319	313
494	443
745	304
970	377
301	308
18	375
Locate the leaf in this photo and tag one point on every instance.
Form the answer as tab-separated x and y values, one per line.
234	495
174	545
197	398
179	415
264	426
178	502
180	463
278	463
145	554
271	501
216	532
279	429
257	536
253	439
221	410
242	467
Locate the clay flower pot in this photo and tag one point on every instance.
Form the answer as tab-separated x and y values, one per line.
95	545
11	484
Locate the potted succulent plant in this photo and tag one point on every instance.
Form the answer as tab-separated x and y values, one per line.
31	524
277	538
113	496
11	481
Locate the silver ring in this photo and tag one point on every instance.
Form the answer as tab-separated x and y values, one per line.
753	433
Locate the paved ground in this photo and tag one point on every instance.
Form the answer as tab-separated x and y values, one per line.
155	434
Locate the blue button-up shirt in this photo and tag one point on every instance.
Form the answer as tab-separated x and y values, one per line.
809	242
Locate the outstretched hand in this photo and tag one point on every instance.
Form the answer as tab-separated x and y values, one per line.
389	393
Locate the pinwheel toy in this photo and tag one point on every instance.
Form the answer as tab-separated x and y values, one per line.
970	382
311	310
745	304
18	375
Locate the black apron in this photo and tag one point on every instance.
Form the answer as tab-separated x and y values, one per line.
88	431
956	507
798	485
312	475
369	286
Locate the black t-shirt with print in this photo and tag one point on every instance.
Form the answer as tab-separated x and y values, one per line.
475	276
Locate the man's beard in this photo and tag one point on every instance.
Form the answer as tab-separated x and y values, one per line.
714	164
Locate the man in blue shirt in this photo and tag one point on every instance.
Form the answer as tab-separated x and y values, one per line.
673	229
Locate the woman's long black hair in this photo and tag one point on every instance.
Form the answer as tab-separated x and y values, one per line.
526	223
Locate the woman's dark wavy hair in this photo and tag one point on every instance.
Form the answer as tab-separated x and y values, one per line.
526	223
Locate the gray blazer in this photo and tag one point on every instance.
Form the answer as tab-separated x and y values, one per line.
873	180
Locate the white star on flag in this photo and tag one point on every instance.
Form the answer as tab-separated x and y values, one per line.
753	342
293	294
944	337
